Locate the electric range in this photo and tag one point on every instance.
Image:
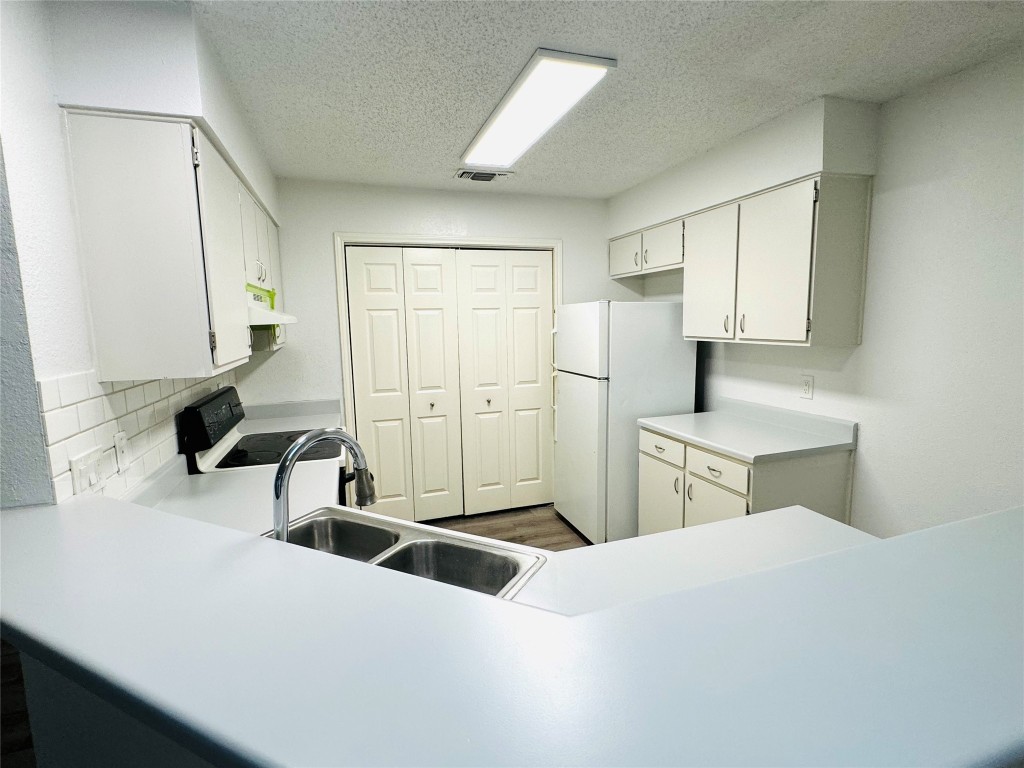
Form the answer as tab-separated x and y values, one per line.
213	437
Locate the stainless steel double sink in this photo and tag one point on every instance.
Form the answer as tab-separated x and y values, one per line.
483	565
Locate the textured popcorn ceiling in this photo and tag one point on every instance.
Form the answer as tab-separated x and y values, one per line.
393	92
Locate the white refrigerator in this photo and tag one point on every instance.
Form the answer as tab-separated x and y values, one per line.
616	361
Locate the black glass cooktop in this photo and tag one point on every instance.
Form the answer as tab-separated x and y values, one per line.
269	447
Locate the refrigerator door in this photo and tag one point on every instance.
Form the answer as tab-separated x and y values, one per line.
581	341
581	460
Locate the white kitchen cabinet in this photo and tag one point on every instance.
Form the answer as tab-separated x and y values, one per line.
655	249
270	338
160	243
709	290
660	502
708	503
257	230
792	272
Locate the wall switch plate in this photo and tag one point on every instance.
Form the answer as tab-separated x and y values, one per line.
85	472
806	386
121	452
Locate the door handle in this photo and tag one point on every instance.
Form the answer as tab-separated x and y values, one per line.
645	255
636	258
431	406
726	323
658	448
689	492
675	484
488	401
743	323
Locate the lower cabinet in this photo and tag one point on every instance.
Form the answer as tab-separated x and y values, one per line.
707	503
661	496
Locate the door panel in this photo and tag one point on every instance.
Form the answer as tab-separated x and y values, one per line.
707	503
529	376
709	283
624	255
431	307
773	279
663	245
661	497
483	362
379	373
582	454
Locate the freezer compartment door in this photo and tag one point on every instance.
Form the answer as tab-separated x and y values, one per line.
581	339
581	457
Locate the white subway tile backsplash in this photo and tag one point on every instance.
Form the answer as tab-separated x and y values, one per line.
90	413
81	413
60	424
49	395
73	388
134	398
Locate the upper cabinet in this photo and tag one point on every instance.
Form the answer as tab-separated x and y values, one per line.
655	249
162	246
709	311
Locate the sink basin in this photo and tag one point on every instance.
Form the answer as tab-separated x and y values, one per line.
347	538
469	567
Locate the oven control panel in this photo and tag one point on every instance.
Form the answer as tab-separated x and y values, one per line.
207	420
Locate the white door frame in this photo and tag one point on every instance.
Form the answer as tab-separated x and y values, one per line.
342	239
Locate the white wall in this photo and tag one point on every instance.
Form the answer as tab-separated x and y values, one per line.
309	366
937	384
825	135
31	125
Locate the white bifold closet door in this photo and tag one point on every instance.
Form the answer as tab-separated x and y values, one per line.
380	380
505	322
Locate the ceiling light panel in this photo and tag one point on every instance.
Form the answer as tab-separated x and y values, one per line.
550	85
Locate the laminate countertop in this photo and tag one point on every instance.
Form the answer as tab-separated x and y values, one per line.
904	651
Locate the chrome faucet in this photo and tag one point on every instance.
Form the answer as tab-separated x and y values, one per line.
365	493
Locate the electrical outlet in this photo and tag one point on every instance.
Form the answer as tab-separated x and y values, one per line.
806	386
85	472
121	452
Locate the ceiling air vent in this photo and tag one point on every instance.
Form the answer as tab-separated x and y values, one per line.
471	175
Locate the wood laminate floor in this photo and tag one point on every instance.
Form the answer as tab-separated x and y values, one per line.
537	527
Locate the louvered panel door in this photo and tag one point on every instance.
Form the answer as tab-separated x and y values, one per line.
432	331
483	363
529	322
377	317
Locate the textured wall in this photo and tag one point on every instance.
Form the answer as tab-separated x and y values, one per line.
936	385
24	479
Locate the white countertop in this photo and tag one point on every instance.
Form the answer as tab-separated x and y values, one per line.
753	433
902	651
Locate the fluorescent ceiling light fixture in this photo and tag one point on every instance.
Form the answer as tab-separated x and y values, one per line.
550	85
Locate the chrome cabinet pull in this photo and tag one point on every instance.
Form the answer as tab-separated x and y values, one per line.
636	258
714	472
659	448
645	255
743	323
726	323
675	484
689	492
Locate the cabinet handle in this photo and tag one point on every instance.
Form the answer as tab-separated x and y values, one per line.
659	448
714	472
726	324
250	338
689	492
636	258
743	323
645	255
675	484
431	406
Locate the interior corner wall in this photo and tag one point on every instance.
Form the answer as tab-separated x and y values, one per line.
40	195
936	385
309	365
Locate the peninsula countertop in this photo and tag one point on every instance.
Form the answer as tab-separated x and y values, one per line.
875	654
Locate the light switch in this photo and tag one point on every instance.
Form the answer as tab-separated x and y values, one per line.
85	472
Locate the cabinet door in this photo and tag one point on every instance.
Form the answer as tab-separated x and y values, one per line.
250	238
624	255
662	245
223	254
529	322
431	312
709	284
379	373
707	503
773	279
264	226
277	281
660	503
483	362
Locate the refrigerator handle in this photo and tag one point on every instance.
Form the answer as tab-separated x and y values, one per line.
554	405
